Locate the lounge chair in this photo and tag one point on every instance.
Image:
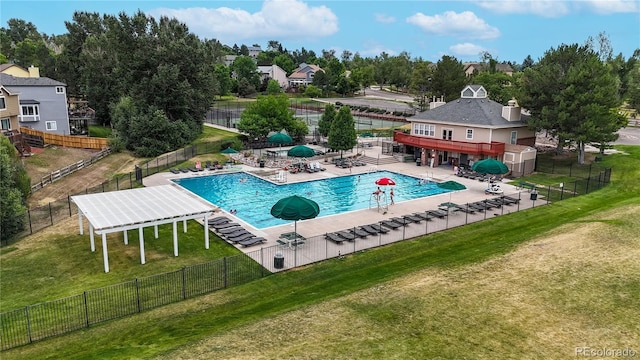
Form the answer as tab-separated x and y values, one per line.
359	233
477	206
402	221
175	171
391	224
466	209
510	200
184	170
345	234
234	232
412	218
241	237
378	228
424	216
218	220
369	230
334	237
484	204
252	241
229	230
437	213
494	202
223	225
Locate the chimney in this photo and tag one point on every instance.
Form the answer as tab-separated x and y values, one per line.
511	112
434	104
34	72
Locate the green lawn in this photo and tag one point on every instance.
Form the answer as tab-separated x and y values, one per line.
289	299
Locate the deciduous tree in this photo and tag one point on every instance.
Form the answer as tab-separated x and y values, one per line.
342	135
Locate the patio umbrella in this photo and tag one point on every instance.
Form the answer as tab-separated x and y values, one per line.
301	151
490	166
280	139
451	186
295	208
229	151
385	181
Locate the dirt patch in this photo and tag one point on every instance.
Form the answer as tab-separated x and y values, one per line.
88	177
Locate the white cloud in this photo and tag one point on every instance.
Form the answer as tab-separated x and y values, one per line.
462	25
373	49
466	49
385	19
545	8
612	6
277	19
556	8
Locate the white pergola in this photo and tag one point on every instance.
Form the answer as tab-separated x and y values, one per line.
124	210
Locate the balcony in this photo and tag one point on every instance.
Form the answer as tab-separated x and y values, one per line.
489	149
28	118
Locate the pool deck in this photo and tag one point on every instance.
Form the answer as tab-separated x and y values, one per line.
322	225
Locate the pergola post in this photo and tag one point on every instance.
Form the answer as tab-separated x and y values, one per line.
126	237
155	230
141	237
80	222
184	225
105	254
93	241
206	232
175	238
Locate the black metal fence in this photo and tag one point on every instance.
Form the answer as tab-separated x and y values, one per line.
38	218
36	322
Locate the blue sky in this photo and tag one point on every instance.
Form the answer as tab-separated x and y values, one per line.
508	29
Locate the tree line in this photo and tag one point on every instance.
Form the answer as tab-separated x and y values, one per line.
153	80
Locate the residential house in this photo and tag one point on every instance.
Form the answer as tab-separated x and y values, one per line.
43	102
474	68
19	71
274	72
9	110
303	75
254	51
471	128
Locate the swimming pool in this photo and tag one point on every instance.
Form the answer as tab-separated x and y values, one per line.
252	197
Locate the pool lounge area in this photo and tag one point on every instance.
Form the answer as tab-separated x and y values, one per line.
315	229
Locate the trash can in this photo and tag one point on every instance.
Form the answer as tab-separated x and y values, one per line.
278	260
261	163
418	161
534	195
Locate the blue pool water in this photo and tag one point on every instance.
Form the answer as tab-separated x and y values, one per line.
253	197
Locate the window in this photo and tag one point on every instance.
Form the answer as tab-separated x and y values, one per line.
59	89
52	125
514	138
6	124
424	129
3	104
447	134
469	134
29	113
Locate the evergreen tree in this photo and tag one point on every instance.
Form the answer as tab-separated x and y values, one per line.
342	135
324	124
14	189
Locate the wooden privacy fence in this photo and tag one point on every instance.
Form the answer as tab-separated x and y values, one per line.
81	142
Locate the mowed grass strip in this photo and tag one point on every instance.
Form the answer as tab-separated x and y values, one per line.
184	329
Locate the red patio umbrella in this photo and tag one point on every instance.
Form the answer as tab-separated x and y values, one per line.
385	181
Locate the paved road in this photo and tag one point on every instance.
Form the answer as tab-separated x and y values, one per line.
629	136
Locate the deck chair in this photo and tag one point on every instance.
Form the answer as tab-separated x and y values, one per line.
175	171
368	229
222	226
334	237
401	221
438	213
218	220
423	216
252	241
412	218
378	228
359	233
391	224
510	200
241	237
345	234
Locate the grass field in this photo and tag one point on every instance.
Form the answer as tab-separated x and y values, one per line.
533	284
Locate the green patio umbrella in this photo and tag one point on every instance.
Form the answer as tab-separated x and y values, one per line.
451	186
280	139
490	166
229	150
301	151
295	208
